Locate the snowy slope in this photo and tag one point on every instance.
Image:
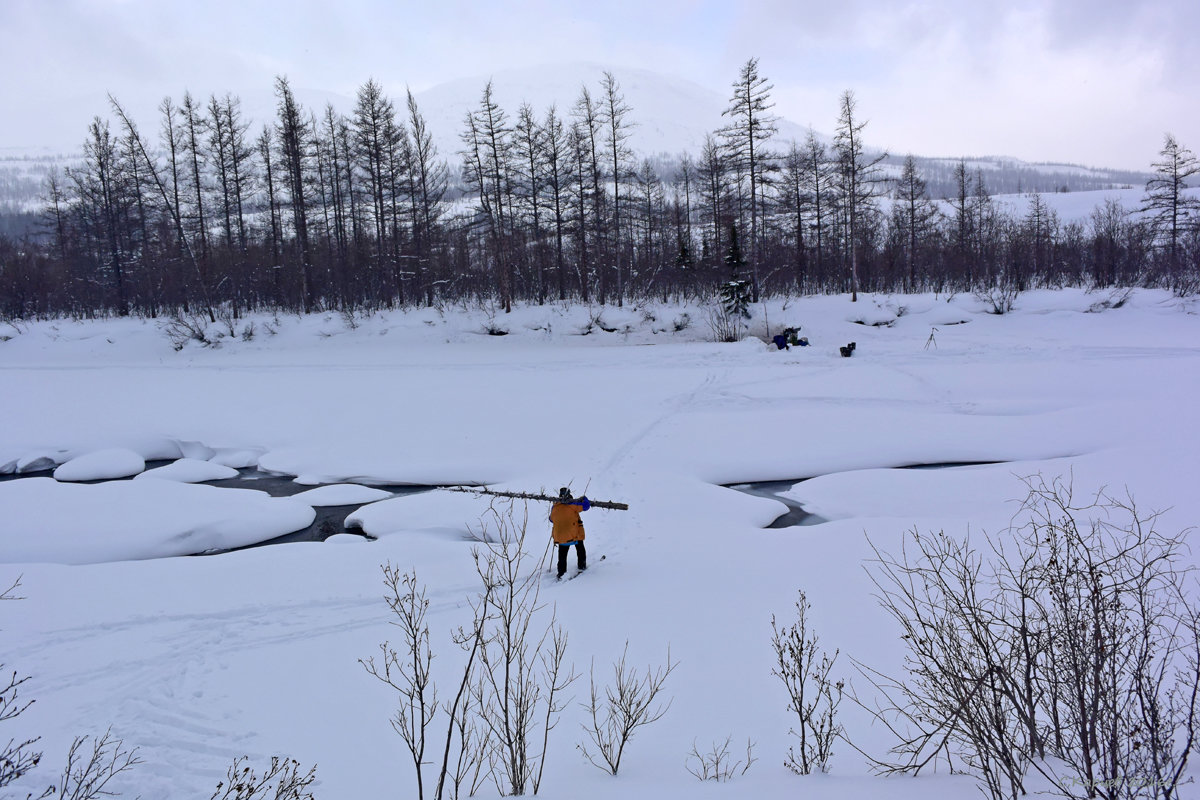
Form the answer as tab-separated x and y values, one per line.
670	114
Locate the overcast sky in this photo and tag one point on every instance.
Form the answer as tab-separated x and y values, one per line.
1096	82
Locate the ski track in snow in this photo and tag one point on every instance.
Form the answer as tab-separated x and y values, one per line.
170	714
676	406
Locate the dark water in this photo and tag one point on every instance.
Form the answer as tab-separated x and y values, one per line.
329	520
950	464
795	515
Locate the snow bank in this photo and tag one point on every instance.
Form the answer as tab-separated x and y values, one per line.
120	520
101	465
190	470
344	494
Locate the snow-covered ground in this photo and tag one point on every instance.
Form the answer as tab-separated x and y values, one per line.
198	660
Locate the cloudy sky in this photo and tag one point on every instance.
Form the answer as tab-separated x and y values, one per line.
1096	82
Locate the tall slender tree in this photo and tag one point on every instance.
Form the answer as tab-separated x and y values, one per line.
714	194
819	178
294	143
861	178
751	127
588	118
194	125
266	146
430	181
100	185
373	113
488	169
558	181
529	168
138	145
616	134
916	215
1171	210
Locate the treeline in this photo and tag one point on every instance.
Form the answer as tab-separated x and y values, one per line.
320	210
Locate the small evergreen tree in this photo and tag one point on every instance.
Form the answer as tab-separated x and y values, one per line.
684	260
735	292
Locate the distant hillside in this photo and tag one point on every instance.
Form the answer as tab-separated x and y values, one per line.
1011	176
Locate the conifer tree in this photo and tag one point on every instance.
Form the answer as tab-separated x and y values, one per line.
860	179
746	137
916	215
735	292
1172	211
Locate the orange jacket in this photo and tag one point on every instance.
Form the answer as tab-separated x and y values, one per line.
568	527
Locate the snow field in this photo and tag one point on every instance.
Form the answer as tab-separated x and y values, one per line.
198	660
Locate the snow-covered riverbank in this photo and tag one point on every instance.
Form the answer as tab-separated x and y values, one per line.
196	661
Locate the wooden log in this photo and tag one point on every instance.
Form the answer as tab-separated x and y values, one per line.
480	490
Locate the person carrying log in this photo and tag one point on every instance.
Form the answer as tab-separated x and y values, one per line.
568	528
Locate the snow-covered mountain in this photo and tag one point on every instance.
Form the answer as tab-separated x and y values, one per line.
669	114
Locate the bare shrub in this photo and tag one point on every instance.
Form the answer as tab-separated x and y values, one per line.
522	673
1001	298
631	702
954	702
16	757
183	327
1070	646
717	764
88	772
725	327
1116	299
408	671
813	695
509	693
282	780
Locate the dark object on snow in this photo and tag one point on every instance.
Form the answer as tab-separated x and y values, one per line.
785	340
847	350
531	496
803	342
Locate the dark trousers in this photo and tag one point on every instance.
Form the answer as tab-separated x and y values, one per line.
580	556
